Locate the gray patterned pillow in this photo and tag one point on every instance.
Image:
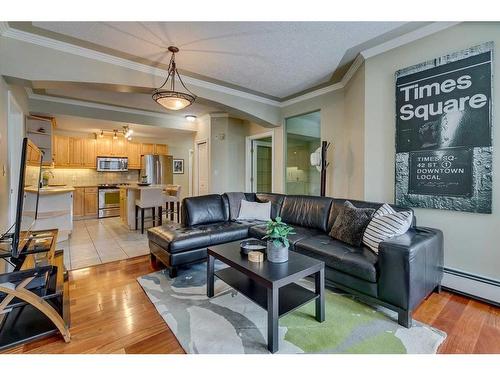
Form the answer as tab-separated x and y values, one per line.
351	223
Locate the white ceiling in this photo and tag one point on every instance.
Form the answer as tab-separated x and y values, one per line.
86	125
278	59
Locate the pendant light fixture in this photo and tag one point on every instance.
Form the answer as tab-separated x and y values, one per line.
168	97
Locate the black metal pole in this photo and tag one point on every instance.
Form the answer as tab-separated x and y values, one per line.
324	147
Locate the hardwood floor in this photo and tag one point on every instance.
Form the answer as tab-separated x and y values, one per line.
110	313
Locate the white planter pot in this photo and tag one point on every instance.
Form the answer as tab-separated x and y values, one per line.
276	254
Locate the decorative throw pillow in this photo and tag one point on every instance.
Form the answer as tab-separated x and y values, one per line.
351	223
254	211
386	226
385	209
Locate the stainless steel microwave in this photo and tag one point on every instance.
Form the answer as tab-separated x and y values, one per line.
112	164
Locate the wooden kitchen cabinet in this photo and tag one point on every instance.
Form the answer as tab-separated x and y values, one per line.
147	148
78	202
134	155
61	151
161	149
89	152
75	152
85	202
82	152
104	146
119	147
123	206
90	201
107	146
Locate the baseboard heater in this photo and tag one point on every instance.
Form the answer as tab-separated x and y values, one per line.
470	285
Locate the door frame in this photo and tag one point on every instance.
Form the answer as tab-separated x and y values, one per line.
190	172
248	158
197	143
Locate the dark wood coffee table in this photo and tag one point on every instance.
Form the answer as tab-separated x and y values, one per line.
270	285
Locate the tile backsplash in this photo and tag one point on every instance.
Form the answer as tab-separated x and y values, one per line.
89	177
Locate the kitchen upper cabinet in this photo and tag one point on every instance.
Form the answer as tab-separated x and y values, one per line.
147	148
107	146
134	155
61	151
161	149
89	152
82	152
76	152
104	146
119	147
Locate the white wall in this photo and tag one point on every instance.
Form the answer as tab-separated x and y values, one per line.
4	162
21	100
227	153
180	150
472	241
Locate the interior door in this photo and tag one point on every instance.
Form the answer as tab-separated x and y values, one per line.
202	168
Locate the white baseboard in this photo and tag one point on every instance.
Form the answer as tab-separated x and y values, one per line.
472	285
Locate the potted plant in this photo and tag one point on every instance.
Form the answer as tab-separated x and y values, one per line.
45	177
277	240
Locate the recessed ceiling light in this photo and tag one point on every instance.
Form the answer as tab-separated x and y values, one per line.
190	118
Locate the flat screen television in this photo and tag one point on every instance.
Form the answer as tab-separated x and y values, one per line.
27	195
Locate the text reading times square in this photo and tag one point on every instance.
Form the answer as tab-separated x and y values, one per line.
416	92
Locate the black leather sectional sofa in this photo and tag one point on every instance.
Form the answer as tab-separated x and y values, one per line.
406	269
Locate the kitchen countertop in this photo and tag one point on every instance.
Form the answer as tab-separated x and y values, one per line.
137	187
52	190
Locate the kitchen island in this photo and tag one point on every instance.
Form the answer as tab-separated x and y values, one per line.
55	210
128	196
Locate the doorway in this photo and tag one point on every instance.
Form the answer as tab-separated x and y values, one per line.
260	163
302	138
15	134
202	168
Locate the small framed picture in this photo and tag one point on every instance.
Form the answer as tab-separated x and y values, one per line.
178	166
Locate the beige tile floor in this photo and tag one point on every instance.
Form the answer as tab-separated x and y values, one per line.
98	241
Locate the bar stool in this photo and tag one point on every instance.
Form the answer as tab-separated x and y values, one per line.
173	197
150	199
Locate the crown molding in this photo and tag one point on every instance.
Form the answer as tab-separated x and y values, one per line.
407	38
219	115
4	26
43	41
358	61
370	52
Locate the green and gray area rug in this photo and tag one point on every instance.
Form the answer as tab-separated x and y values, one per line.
230	323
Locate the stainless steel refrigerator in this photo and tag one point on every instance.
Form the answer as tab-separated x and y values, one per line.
157	168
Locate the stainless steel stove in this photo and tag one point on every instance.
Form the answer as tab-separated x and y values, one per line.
109	199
